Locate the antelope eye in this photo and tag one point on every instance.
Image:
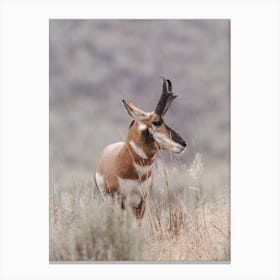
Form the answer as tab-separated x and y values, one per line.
158	123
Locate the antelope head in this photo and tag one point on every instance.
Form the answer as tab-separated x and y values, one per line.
152	131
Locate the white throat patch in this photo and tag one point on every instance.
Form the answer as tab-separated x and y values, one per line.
137	150
142	170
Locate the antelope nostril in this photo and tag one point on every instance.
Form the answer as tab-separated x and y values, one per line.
184	144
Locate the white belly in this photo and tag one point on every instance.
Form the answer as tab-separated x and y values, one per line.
133	190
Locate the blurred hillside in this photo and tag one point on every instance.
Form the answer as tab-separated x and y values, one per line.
94	64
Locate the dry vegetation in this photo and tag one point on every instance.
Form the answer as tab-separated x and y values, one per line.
187	219
94	64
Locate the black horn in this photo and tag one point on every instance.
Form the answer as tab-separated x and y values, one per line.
166	98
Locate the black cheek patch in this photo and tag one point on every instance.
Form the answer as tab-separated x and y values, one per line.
147	137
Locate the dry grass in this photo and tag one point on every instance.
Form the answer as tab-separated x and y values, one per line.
182	221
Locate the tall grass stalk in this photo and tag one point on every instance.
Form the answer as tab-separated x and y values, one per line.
182	220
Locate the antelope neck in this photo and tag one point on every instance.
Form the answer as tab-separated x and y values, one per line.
140	143
138	154
133	165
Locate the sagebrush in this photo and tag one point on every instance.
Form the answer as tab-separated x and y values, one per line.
187	218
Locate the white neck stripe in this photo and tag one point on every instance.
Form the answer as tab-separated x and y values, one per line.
137	150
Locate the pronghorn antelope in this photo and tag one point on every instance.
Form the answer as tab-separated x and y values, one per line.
124	169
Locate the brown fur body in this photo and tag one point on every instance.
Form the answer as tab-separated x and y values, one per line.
124	169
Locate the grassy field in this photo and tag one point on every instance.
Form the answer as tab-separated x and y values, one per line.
94	64
187	218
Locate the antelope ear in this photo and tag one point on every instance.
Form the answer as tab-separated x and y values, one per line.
134	112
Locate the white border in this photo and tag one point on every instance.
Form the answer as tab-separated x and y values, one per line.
254	138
